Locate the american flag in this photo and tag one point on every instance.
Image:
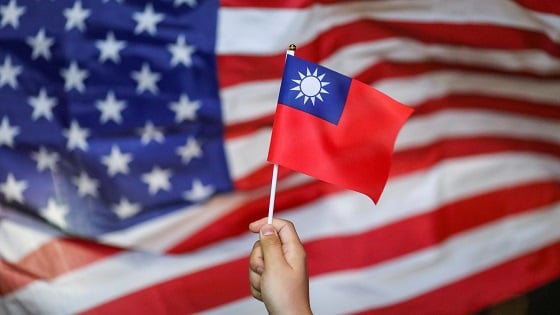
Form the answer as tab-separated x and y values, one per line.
134	135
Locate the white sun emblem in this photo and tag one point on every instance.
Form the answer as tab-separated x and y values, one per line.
310	86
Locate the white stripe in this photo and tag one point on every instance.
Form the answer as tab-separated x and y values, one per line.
182	224
19	235
254	100
347	213
353	59
177	225
249	101
414	90
246	154
450	124
256	31
422	271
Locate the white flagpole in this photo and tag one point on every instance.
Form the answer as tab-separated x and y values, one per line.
272	193
291	51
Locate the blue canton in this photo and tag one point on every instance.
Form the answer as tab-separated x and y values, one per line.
109	110
314	89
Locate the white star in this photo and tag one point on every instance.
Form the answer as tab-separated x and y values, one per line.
11	14
125	209
9	73
42	105
45	159
74	77
190	150
190	3
7	132
198	191
147	20
111	108
110	48
184	109
181	52
116	162
12	189
86	185
146	79
76	17
157	179
150	132
55	213
41	45
76	136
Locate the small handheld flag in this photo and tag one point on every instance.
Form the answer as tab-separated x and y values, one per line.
335	128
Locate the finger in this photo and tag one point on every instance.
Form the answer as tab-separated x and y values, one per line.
255	281
291	246
279	224
256	260
271	245
256	293
255	226
256	267
286	232
294	252
255	284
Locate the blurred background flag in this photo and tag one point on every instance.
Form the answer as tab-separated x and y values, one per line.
134	137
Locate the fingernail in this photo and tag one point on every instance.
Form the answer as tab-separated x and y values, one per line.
268	230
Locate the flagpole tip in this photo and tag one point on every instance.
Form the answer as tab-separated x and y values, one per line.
292	47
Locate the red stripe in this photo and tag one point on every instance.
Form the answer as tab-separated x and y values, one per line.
51	260
236	69
228	282
277	4
394	69
259	178
246	128
185	294
424	157
545	6
484	289
491	103
13	277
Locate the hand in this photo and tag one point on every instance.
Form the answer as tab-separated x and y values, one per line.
278	268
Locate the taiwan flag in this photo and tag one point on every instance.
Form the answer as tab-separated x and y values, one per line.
335	128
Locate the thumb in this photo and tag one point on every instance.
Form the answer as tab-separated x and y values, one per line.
271	246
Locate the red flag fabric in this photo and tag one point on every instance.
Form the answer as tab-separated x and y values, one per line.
335	128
